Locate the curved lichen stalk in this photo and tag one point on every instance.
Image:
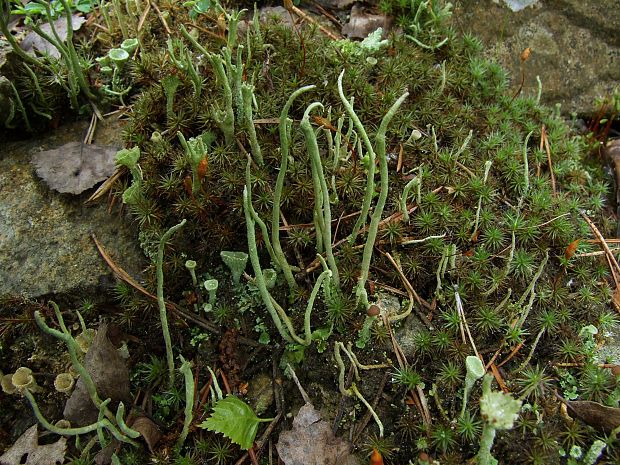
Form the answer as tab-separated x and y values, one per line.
360	292
278	315
370	180
321	194
285	136
160	298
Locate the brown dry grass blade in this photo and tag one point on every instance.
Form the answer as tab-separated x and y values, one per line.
106	185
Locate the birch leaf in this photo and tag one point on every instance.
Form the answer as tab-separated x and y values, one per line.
234	419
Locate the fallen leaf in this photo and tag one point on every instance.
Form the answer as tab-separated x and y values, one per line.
27	450
110	375
594	414
148	429
34	41
571	249
362	23
74	167
311	441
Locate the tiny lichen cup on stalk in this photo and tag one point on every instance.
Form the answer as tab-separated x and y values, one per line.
191	267
22	379
130	45
211	286
118	56
64	383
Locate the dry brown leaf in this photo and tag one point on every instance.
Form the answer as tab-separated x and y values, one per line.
594	414
311	441
74	167
362	23
27	450
34	41
148	429
571	249
110	375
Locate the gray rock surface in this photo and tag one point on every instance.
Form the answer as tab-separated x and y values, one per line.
45	237
575	46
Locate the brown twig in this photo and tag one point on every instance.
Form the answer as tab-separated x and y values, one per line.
545	140
161	17
512	353
145	13
463	321
613	263
499	378
412	295
306	17
106	185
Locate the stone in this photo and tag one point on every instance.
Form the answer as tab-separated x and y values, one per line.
45	237
575	47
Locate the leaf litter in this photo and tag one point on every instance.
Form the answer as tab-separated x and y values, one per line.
75	167
27	450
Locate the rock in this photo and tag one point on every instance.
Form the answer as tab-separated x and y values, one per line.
575	46
45	237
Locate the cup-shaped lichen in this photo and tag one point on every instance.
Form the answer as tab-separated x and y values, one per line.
23	379
236	262
64	382
118	56
211	286
84	339
130	45
7	384
499	411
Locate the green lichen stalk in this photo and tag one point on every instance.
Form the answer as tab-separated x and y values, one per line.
163	315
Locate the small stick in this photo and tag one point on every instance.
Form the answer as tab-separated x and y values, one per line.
161	17
145	13
596	241
292	8
548	150
499	379
204	392
88	139
595	254
303	392
613	263
463	321
580	364
326	13
513	352
411	293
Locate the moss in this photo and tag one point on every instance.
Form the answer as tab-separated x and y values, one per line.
490	233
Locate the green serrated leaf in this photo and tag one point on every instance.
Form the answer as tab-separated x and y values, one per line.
234	419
